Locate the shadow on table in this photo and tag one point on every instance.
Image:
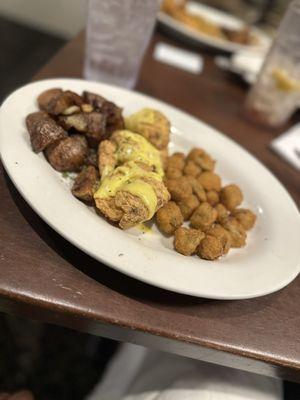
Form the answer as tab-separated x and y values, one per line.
119	282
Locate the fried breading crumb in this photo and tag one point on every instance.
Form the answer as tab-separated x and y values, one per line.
169	218
231	196
245	217
203	217
187	240
210	248
210	181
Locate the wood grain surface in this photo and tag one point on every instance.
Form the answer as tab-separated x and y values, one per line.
44	277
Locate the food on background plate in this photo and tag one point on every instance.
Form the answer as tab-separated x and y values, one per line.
123	169
178	10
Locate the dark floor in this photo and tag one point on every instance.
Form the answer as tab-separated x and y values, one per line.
23	51
55	363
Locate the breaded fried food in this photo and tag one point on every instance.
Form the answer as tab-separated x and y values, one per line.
231	196
197	188
151	124
236	230
210	181
245	217
134	209
125	146
192	169
222	212
203	217
212	197
210	248
130	195
223	235
179	188
174	166
176	160
169	218
188	206
202	159
173	173
187	240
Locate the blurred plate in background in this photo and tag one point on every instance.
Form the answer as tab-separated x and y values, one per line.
221	18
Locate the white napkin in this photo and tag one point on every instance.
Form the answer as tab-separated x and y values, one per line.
247	64
136	373
178	58
287	145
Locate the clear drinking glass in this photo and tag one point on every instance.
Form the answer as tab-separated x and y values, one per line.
117	34
276	94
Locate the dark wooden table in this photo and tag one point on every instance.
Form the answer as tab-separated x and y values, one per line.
44	277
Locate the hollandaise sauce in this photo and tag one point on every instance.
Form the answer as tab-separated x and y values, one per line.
130	178
134	147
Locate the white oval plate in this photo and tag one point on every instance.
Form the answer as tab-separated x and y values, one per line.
219	17
270	260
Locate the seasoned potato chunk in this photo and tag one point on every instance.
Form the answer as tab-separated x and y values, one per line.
43	130
231	196
86	184
187	240
203	217
69	154
169	218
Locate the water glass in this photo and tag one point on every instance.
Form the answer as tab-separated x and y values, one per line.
117	34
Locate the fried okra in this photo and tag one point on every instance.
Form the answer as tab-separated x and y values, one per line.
202	159
176	160
222	234
179	188
210	181
173	173
188	206
245	217
231	196
203	217
197	188
222	212
210	248
192	169
169	218
212	197
187	240
236	230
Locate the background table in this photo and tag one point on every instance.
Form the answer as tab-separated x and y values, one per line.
44	277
